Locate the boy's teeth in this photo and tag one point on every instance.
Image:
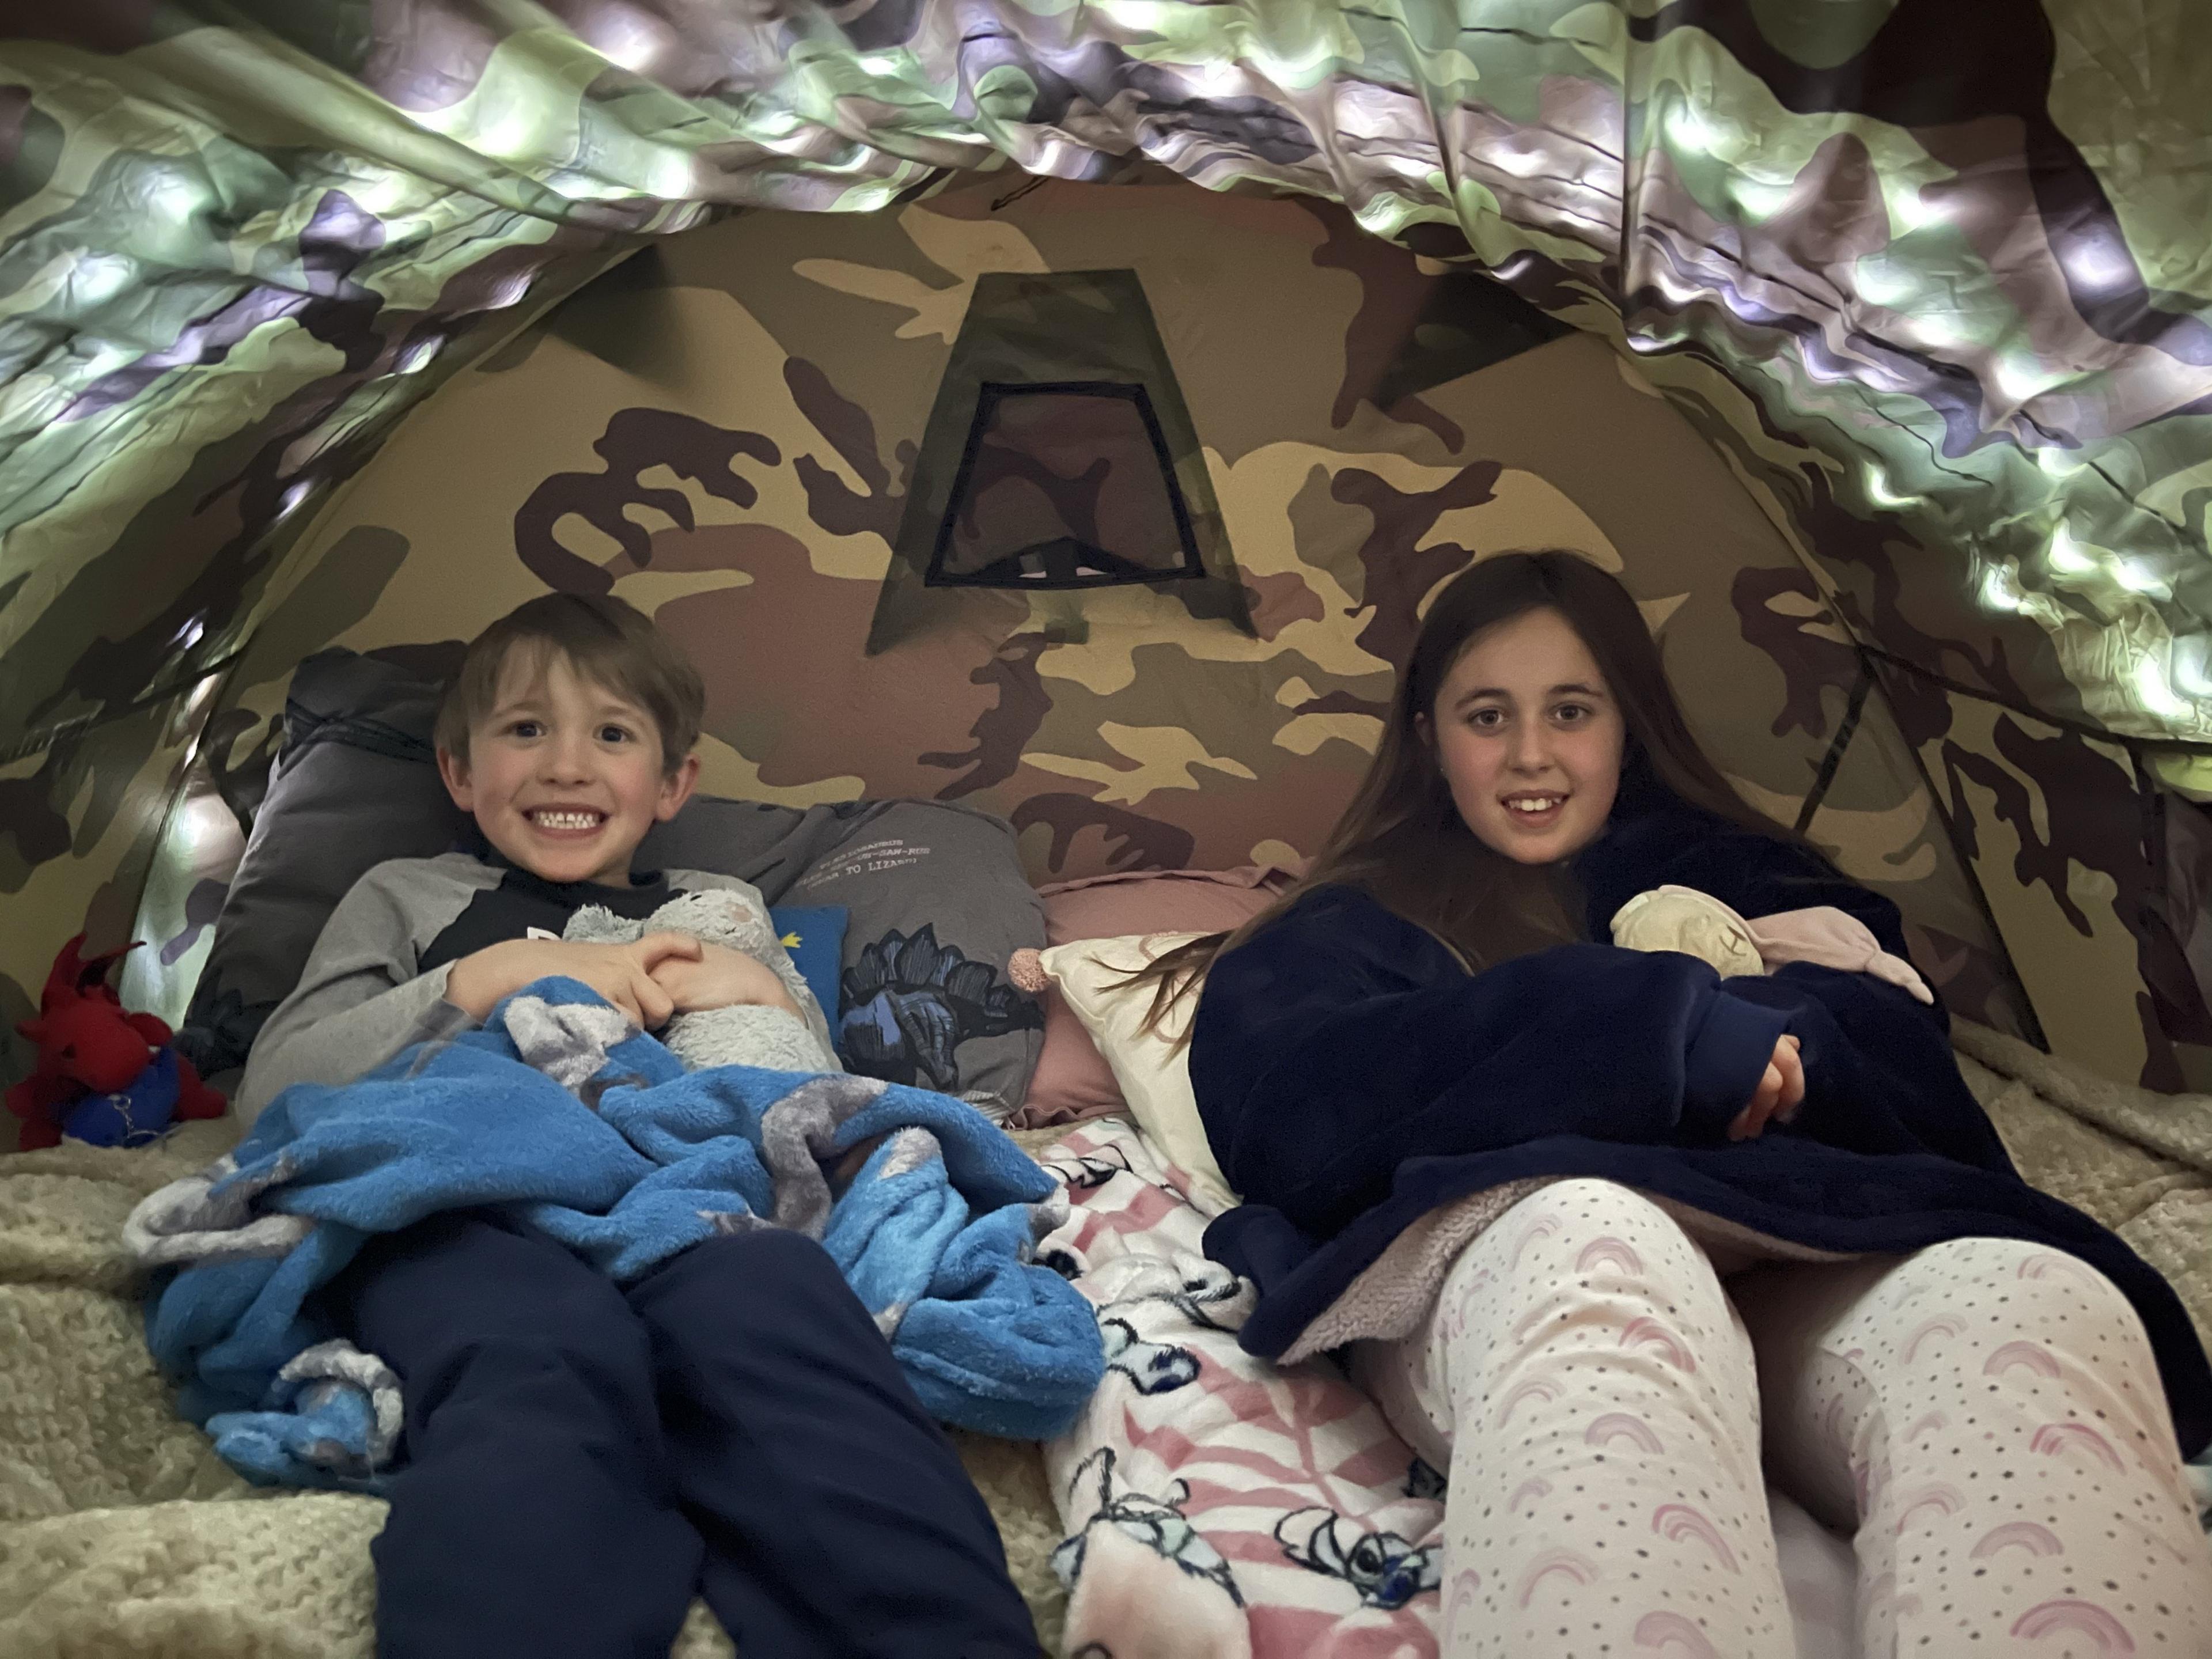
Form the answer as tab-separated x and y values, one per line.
565	820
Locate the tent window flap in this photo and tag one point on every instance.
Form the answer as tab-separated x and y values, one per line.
1064	485
1059	456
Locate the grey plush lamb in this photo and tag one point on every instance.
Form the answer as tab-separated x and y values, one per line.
767	1038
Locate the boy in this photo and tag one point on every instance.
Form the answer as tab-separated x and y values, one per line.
580	1457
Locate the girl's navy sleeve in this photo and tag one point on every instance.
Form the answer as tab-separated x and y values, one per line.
1341	1040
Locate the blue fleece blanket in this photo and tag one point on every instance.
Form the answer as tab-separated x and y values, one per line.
594	1134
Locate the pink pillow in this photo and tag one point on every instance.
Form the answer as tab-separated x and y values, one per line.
1073	1081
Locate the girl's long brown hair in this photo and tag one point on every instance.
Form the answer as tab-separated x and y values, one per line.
1402	840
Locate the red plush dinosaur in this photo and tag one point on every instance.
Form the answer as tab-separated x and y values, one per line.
103	1075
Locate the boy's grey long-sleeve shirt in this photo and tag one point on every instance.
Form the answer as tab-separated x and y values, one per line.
375	983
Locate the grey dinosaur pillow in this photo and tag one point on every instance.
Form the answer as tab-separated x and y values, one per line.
937	896
938	903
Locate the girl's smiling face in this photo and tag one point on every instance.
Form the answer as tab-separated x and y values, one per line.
1530	738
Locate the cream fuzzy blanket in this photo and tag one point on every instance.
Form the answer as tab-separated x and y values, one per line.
121	1532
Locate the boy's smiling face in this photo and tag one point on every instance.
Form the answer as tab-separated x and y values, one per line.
564	776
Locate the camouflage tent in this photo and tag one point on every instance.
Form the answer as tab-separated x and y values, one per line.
1066	410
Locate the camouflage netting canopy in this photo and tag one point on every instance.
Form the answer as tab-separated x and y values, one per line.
1391	284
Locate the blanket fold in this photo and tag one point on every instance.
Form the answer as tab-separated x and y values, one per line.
592	1132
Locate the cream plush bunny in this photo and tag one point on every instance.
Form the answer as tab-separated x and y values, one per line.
741	1035
1699	925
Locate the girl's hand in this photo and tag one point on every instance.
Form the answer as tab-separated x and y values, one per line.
1778	1094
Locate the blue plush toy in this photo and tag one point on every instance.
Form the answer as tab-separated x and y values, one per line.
138	1113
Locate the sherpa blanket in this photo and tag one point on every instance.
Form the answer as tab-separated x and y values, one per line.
594	1133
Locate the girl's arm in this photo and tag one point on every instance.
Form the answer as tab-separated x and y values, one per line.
1879	1076
1341	1041
359	1001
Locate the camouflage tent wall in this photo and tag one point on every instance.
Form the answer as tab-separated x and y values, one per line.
1889	401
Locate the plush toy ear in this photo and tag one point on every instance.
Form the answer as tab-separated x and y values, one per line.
93	975
74	977
62	978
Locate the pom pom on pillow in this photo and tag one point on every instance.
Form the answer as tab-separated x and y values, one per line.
1073	1081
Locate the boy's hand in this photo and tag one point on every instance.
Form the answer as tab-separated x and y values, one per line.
719	977
848	1167
622	973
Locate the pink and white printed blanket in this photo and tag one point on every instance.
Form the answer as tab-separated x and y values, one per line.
1219	1507
1216	1507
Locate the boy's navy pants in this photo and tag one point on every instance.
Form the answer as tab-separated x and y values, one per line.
582	1458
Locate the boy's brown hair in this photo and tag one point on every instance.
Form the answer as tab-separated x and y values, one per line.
603	640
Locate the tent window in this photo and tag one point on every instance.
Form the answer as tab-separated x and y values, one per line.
1068	483
1059	456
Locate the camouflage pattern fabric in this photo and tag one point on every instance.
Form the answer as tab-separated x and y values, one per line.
1928	280
730	436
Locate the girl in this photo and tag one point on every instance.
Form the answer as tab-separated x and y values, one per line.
1511	1168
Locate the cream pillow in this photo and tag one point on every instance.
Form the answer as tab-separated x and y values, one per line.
1152	1066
